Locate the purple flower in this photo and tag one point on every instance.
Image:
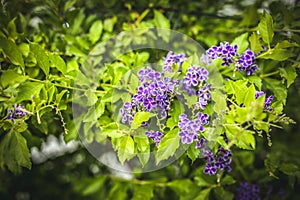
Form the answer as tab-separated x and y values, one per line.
172	59
193	84
17	112
153	95
246	62
259	93
155	136
247	191
225	51
268	99
190	129
214	162
210	169
201	144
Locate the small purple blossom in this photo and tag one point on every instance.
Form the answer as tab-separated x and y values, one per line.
172	59
268	99
225	51
17	112
152	96
246	62
248	191
190	129
214	162
194	84
219	161
156	136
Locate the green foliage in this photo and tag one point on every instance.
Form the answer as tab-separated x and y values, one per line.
266	28
139	118
47	65
168	145
11	51
14	152
126	148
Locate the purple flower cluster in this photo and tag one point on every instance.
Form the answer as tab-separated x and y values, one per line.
155	136
221	160
214	162
17	112
225	51
153	95
172	59
190	128
194	84
268	99
248	191
204	96
228	53
246	62
195	75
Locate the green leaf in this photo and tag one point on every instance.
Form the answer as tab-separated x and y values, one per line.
10	50
12	29
94	185
243	139
126	148
77	22
256	81
202	182
238	88
255	44
95	31
10	77
74	50
176	109
168	145
260	125
14	152
286	44
242	42
289	168
203	194
160	20
221	194
219	100
193	152
41	57
28	90
250	95
94	112
142	143
118	191
279	90
69	4
277	54
246	140
250	16
266	28
289	73
58	63
72	132
181	187
139	118
228	180
190	100
91	98
24	48
109	24
59	96
142	192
